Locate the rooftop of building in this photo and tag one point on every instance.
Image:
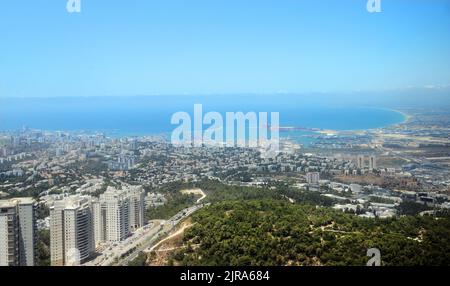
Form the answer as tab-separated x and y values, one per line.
14	201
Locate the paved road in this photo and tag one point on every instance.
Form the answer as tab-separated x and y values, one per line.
115	250
165	228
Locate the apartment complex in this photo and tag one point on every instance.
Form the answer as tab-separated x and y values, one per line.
71	231
99	219
80	223
312	178
136	196
117	213
361	162
18	232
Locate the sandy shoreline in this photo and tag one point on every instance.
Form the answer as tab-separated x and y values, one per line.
329	132
407	116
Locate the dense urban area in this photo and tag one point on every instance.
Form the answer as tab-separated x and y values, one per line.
72	198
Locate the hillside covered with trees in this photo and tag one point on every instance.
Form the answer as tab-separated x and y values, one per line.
276	232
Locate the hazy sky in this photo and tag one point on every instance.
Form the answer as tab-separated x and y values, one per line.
137	47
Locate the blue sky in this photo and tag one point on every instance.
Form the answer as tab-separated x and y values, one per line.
144	47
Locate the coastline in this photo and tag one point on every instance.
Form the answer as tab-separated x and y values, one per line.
118	133
406	119
407	116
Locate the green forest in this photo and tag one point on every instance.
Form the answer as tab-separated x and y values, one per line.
175	203
269	231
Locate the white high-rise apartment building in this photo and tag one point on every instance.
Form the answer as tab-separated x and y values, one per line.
117	213
137	207
373	162
116	206
27	231
360	161
18	232
71	231
9	234
99	217
312	178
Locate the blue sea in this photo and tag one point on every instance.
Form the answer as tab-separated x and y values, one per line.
150	115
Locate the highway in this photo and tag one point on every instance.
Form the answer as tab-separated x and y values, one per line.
117	249
165	228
